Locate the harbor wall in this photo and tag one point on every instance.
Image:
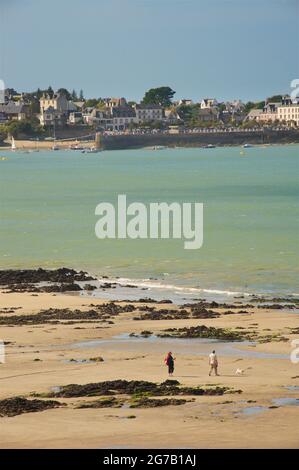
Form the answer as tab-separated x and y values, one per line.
116	142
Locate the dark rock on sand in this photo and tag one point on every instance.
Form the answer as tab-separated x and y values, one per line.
203	331
18	405
104	403
171	314
99	313
138	388
154	403
33	276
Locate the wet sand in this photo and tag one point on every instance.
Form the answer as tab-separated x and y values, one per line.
40	357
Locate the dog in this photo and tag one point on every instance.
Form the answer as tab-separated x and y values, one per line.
239	372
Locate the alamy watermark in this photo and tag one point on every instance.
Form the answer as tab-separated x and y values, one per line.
154	220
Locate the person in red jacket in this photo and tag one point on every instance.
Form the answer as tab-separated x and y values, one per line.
169	361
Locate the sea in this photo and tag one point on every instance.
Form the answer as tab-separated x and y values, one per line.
250	198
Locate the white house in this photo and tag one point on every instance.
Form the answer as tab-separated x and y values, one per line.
148	112
208	103
288	113
122	117
58	102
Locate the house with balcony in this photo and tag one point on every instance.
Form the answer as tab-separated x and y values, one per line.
122	117
52	117
148	113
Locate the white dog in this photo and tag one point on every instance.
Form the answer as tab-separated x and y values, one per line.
241	371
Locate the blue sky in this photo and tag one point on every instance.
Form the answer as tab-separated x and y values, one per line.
220	48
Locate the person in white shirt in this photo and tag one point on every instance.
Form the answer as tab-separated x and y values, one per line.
213	362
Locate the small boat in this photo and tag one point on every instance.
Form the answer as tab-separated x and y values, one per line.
13	144
55	147
246	146
158	147
210	146
91	150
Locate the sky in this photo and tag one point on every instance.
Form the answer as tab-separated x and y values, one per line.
227	49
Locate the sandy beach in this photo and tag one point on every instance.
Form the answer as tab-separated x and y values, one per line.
46	355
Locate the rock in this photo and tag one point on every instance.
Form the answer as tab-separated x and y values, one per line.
101	313
203	331
154	403
89	287
96	359
23	276
105	403
138	388
18	405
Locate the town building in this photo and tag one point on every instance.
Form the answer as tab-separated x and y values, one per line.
97	118
122	117
288	113
185	102
171	115
269	113
14	111
207	115
208	103
75	117
148	112
51	117
115	102
253	114
58	102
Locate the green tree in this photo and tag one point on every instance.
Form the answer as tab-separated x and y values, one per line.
50	91
29	127
81	95
91	103
3	133
74	95
160	96
65	92
260	105
275	99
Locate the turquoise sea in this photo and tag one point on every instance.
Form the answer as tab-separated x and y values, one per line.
251	215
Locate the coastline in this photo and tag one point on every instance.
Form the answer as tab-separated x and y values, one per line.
42	355
183	140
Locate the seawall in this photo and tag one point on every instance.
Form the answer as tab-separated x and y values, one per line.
116	142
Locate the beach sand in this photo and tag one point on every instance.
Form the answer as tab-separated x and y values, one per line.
206	422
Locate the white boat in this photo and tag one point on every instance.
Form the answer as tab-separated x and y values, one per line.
91	150
246	146
158	147
13	144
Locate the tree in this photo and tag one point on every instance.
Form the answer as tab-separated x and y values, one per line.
91	103
39	93
260	105
65	92
3	133
81	95
275	99
160	96
50	91
74	95
249	106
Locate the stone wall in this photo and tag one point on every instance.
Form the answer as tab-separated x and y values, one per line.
200	139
